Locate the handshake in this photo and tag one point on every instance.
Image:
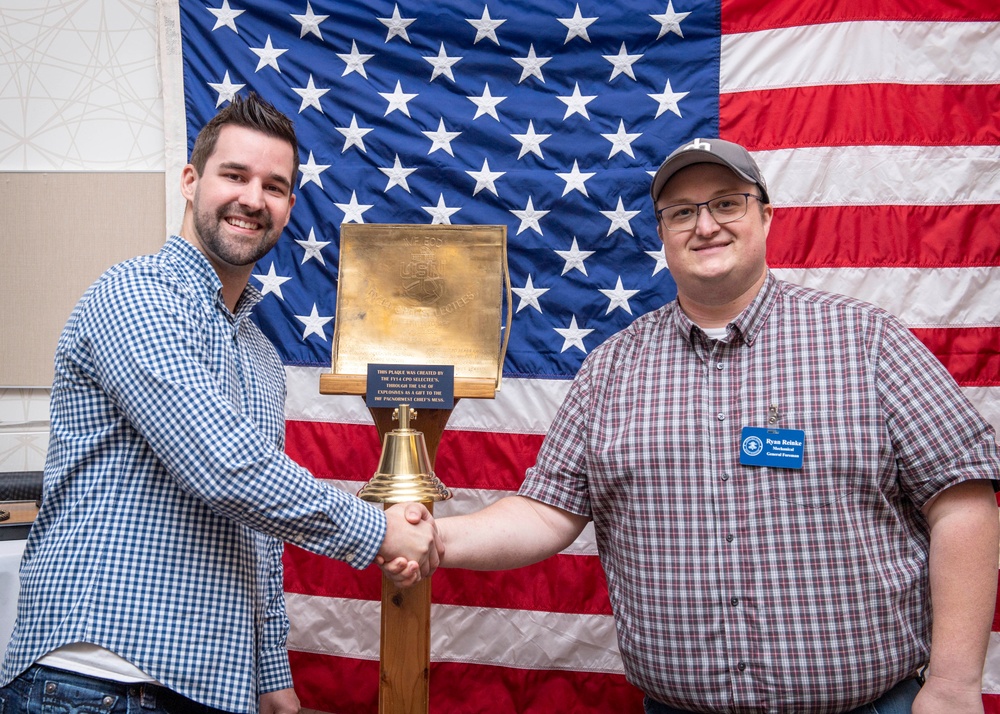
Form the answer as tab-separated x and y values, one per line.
412	548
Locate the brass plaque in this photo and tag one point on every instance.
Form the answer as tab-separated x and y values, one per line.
421	294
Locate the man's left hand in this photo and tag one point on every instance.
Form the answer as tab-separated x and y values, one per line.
282	701
942	696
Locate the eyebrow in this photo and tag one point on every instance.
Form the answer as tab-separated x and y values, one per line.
233	165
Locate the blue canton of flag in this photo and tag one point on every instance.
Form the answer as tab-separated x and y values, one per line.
545	117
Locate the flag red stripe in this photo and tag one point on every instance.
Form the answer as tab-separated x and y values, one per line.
464	687
536	587
465	459
971	354
885	237
936	115
753	15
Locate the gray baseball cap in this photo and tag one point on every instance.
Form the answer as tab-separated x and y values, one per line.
710	151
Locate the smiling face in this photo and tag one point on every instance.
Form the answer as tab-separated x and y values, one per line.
241	202
713	265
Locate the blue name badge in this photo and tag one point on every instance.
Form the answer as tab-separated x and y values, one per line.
777	448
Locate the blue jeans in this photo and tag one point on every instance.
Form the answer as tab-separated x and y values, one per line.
43	690
897	700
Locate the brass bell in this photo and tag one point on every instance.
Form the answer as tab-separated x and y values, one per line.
404	473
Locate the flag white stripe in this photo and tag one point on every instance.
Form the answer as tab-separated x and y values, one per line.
350	628
522	406
991	671
305	403
882	175
471	500
920	297
861	52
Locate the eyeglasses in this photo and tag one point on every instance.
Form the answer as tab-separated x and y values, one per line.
724	209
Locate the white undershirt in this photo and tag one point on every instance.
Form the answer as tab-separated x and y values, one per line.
94	661
715	333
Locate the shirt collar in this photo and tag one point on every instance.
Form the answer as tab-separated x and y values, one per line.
194	261
748	324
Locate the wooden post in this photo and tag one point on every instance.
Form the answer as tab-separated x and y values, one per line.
405	639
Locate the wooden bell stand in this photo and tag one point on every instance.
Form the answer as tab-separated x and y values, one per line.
405	637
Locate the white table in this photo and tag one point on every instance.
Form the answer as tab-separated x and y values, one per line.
10	561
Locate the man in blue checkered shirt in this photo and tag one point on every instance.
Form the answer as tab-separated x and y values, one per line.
152	577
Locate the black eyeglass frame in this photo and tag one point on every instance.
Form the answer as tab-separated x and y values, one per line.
697	210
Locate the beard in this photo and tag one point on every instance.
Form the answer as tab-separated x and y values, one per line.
210	227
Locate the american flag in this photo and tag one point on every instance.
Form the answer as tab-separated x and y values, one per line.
877	123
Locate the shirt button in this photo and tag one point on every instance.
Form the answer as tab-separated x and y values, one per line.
719	366
742	666
725	477
734	601
349	557
729	537
721	417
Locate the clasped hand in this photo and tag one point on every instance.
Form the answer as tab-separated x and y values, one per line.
412	549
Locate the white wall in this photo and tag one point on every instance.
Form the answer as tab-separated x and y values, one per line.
79	91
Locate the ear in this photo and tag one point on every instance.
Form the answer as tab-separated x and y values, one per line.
189	182
766	219
288	213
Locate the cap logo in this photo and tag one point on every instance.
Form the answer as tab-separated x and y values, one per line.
698	144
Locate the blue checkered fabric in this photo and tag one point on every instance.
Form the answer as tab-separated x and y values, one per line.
167	492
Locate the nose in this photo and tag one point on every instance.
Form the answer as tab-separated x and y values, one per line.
252	195
706	224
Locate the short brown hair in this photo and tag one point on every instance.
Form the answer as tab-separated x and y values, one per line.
251	112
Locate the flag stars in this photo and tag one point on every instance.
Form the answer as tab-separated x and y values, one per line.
618	297
311	171
313	248
577	103
397	25
268	55
397	100
441	213
486	104
441	138
575	180
310	22
577	25
668	100
486	179
227	90
670	21
573	336
661	260
529	218
314	324
271	282
531	142
442	64
531	66
353	210
574	258
397	175
225	16
622	62
621	141
310	95
529	295
620	218
354	135
486	26
355	61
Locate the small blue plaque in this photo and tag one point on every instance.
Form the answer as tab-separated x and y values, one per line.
777	448
422	386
